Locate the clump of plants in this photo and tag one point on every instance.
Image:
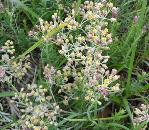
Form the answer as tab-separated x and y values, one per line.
84	76
77	93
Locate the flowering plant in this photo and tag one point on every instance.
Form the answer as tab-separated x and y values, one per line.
85	74
85	70
141	115
36	108
9	67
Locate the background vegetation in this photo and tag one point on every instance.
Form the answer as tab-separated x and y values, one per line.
129	54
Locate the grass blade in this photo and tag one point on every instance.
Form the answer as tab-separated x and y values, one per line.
7	94
138	35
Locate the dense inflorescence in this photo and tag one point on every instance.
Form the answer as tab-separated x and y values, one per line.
37	109
141	114
86	64
9	67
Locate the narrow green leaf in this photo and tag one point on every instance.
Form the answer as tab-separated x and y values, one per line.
118	125
126	105
20	4
138	35
7	94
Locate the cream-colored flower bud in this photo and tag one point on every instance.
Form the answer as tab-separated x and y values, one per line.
110	5
104	39
66	40
45	128
55	124
79	54
6	43
116	77
137	111
57	107
73	12
72	54
100	5
65	102
92	100
109	36
113	19
87	98
116	88
86	2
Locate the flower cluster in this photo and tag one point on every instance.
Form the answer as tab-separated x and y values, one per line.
37	108
49	73
97	13
86	64
98	10
11	68
45	27
3	76
1	7
141	114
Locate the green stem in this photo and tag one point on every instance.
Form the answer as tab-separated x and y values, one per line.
130	69
96	119
14	88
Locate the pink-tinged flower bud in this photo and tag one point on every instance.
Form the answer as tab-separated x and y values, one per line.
2	49
98	40
1	7
144	29
103	91
2	72
104	1
135	19
114	12
110	40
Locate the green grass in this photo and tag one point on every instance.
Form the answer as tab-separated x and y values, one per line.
128	54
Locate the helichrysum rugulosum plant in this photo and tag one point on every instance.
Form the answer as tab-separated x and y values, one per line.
70	95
